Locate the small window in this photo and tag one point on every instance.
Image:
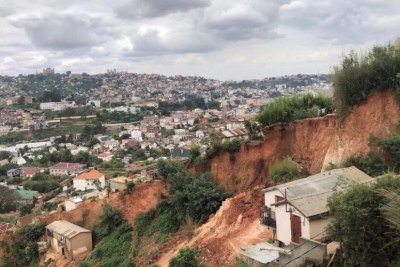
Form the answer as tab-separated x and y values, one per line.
279	199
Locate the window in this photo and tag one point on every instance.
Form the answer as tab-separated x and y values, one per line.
279	199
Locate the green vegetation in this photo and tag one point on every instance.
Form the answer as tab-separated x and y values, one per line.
232	146
366	237
112	235
372	164
392	147
191	103
113	249
284	170
359	75
20	248
187	257
8	200
42	182
288	109
193	196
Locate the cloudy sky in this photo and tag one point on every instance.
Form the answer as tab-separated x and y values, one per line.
223	39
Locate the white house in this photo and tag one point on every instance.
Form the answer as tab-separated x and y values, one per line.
72	203
105	156
18	160
298	208
89	180
137	135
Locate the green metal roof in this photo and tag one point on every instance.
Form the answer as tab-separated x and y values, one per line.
26	194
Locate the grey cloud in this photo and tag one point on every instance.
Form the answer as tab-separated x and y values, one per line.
63	30
152	44
255	20
6	8
347	22
134	9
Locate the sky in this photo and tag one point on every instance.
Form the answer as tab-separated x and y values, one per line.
221	39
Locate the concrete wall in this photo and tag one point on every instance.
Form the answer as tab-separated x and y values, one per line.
318	226
85	184
313	251
283	227
117	186
81	242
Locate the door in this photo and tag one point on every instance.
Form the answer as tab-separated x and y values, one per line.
295	225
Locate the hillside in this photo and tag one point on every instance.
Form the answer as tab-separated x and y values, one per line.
314	143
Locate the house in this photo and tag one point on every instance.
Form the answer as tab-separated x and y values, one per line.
89	180
27	196
68	239
72	203
105	156
229	135
18	160
66	168
119	183
298	209
13	172
179	152
29	172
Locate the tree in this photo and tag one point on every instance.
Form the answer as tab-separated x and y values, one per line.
8	200
366	238
194	151
187	257
254	130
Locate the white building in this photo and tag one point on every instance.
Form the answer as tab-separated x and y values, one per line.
89	180
56	106
72	203
137	135
298	209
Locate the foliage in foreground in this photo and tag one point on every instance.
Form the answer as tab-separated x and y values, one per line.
187	257
366	237
20	249
297	107
358	75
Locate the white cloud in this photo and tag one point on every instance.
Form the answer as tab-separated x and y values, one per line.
214	38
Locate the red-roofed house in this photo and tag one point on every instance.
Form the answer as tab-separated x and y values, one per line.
29	172
88	180
66	168
105	156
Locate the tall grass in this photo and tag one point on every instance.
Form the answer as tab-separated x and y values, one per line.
288	109
360	74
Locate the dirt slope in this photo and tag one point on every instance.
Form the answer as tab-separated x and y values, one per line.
235	225
313	142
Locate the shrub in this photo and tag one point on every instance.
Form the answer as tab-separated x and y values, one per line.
288	109
358	75
187	257
284	170
392	146
371	165
232	146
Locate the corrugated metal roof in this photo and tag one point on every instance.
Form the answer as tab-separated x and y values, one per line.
66	228
310	195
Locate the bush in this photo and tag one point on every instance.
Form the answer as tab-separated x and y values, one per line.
284	170
392	146
371	165
21	249
113	250
110	218
358	75
187	257
288	109
232	146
